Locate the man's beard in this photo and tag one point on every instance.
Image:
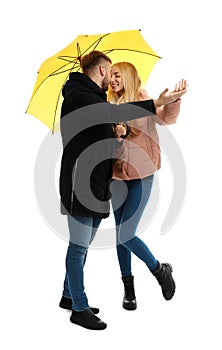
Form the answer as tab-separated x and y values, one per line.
105	84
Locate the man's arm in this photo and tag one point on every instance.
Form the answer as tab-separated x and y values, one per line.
91	110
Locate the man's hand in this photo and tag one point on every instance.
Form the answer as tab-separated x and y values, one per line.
120	130
167	97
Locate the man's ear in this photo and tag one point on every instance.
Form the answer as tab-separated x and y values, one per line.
102	70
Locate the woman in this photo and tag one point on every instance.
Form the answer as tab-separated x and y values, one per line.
137	159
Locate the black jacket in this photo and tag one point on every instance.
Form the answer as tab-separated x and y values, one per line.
89	145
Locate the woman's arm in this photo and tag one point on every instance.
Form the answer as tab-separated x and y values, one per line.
167	114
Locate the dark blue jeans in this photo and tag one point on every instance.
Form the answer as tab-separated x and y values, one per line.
82	231
127	218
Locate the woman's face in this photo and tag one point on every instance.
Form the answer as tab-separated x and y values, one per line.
116	81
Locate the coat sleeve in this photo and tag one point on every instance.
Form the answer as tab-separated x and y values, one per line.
92	109
122	112
132	110
168	114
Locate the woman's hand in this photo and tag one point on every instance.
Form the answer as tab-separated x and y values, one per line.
167	97
181	86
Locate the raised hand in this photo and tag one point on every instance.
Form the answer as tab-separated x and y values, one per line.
167	97
181	86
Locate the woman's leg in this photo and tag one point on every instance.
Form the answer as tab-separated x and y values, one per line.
137	198
136	201
140	249
123	254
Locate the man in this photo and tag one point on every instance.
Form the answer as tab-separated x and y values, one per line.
86	168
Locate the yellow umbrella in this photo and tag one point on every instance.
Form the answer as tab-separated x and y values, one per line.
46	99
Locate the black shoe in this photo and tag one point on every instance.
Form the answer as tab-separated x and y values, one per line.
129	299
163	274
87	319
66	303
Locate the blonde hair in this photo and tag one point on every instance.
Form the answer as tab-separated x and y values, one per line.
131	90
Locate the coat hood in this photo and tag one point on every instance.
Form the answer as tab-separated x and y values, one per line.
79	81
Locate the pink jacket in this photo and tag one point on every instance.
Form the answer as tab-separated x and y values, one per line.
139	156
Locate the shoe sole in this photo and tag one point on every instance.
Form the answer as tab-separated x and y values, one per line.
88	327
173	292
129	308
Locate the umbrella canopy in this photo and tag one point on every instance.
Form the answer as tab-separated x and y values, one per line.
129	46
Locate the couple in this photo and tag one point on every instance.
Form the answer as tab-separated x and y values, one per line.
96	146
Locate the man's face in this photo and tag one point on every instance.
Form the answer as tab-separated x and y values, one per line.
107	78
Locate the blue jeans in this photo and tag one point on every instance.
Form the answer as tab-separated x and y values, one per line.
127	218
82	231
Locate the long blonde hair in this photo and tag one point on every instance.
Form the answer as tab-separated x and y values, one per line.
131	90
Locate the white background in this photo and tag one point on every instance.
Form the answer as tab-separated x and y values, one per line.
187	36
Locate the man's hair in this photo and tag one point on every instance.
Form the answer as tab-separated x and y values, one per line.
91	60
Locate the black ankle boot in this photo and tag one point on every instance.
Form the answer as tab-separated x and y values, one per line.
66	303
87	319
129	299
163	274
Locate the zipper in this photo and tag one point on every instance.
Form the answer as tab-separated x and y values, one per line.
73	183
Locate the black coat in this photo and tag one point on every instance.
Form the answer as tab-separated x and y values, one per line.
89	145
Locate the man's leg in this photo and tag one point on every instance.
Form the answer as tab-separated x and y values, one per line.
82	231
